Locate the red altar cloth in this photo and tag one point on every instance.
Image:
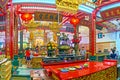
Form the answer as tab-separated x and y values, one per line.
92	68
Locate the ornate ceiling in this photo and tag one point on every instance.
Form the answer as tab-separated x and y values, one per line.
84	10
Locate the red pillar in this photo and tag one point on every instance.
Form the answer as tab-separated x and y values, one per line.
7	38
15	36
92	33
9	32
9	35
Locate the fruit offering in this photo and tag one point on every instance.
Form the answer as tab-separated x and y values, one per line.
85	65
64	70
78	67
72	68
51	46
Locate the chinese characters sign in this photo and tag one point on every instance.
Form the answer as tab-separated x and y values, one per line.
7	34
15	40
85	23
43	16
67	5
108	14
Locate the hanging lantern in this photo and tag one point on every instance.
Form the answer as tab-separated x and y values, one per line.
74	21
26	17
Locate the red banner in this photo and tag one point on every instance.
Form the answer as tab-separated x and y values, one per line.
7	35
111	13
85	23
15	36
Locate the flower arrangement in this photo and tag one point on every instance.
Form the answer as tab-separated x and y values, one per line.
76	39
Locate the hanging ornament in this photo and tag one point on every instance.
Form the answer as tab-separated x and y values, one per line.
74	21
26	16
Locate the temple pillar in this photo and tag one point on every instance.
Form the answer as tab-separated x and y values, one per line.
9	33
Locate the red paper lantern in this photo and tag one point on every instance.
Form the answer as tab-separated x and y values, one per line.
74	21
26	17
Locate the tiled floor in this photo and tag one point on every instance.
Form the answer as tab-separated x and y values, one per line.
23	71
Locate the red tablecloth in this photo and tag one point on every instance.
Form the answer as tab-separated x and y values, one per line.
93	67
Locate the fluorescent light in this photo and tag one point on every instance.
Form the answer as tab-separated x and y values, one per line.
34	1
110	6
85	8
88	8
44	8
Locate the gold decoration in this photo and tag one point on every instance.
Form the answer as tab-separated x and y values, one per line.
71	6
31	36
39	33
55	36
54	26
67	5
107	74
32	24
